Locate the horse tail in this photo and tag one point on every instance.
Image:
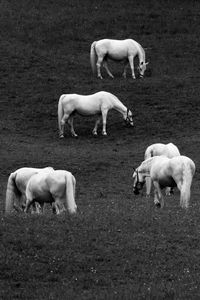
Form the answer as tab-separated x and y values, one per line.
70	192
60	111
93	57
11	193
148	153
185	192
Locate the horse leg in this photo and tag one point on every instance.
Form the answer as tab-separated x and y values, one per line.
169	191
105	64
29	201
71	123
184	193
99	62
158	198
58	206
130	59
104	117
38	208
53	206
125	68
62	125
94	131
148	186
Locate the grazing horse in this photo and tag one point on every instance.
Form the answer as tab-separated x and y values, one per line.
166	172
169	150
96	104
16	188
117	50
55	186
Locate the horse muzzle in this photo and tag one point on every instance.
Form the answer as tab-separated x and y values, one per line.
136	191
129	123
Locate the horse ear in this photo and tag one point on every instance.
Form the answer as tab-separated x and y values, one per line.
147	63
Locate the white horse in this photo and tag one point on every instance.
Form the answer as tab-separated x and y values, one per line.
170	150
96	104
166	172
55	186
117	50
16	188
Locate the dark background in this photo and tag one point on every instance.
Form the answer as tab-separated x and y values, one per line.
118	245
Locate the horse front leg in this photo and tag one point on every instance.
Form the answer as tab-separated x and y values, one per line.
28	204
148	186
107	70
94	131
131	59
158	197
71	123
104	117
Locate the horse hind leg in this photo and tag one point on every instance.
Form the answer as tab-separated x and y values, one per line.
71	123
94	131
125	69
105	65
99	62
37	208
62	125
169	191
57	207
184	189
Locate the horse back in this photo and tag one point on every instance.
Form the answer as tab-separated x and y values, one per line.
56	182
86	104
116	49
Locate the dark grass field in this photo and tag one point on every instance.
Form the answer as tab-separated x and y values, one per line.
118	246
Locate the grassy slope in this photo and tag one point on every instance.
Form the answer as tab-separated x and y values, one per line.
117	245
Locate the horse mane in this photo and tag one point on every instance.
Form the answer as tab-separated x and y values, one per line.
143	53
146	164
121	105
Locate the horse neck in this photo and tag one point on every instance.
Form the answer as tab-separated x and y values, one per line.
119	106
145	166
141	54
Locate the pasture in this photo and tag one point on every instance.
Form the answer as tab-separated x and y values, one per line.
118	245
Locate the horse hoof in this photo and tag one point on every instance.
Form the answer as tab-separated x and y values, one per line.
158	205
61	136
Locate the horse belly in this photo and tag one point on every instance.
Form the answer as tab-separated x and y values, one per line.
117	54
167	181
41	193
44	197
88	109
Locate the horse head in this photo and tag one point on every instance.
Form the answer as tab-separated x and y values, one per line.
138	181
142	68
129	117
